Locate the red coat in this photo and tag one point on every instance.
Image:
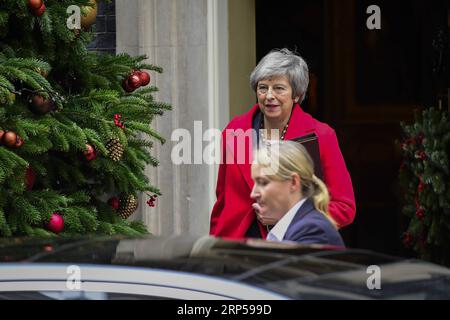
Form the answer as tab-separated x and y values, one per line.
233	214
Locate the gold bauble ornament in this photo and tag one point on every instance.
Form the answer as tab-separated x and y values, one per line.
88	15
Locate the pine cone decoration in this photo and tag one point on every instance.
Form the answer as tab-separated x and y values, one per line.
115	149
128	205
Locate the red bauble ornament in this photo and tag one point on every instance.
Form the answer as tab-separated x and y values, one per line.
126	86
39	12
34	4
37	100
39	105
9	139
114	202
30	178
90	153
2	133
134	81
145	78
56	223
19	142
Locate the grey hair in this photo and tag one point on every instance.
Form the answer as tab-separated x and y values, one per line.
283	63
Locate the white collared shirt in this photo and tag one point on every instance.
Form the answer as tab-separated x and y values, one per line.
279	230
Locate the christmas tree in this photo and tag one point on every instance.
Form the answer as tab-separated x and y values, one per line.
425	178
75	134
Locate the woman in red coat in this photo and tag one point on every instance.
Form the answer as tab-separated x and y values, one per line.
280	81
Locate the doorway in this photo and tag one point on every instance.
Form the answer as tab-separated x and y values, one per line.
363	84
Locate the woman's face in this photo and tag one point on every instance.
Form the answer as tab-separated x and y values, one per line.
275	98
273	197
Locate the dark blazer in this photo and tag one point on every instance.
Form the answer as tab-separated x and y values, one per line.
309	226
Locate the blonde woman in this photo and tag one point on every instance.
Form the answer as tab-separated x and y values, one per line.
289	196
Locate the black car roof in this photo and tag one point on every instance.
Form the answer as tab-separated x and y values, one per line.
288	268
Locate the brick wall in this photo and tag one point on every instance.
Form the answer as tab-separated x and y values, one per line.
105	27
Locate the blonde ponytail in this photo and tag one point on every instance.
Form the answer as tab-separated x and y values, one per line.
321	198
284	158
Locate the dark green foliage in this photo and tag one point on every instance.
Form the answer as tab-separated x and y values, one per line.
41	56
425	178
